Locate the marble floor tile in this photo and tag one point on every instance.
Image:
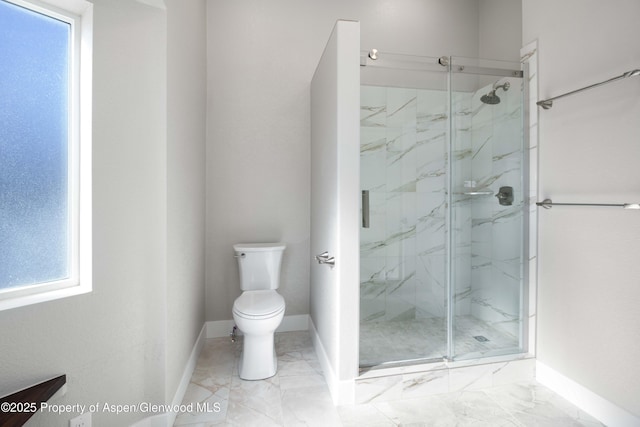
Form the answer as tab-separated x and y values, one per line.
298	396
474	409
309	406
533	404
363	415
425	338
255	403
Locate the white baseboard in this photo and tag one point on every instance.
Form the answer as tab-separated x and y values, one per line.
222	328
167	419
187	373
591	403
189	368
342	392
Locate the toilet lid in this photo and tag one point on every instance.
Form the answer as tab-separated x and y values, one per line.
259	303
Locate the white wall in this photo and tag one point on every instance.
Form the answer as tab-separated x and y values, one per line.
335	149
261	58
588	257
500	29
186	136
126	341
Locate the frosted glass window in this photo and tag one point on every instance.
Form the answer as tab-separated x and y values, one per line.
35	188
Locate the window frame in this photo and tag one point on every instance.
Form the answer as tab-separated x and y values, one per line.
79	14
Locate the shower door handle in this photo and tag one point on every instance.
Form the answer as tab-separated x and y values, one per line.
365	208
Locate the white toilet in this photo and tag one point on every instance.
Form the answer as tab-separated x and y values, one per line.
260	308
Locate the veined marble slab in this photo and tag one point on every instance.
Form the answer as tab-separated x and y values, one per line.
442	380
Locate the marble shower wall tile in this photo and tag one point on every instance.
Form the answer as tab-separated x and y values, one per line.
401	215
400	170
461	209
431	146
372	300
403	165
431	224
373	158
497	230
431	110
401	108
373	106
430	286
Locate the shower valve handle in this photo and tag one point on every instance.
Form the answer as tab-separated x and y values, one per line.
505	196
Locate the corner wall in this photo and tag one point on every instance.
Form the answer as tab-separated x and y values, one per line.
588	257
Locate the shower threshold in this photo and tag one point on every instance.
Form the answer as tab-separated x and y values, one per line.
400	364
417	366
403	381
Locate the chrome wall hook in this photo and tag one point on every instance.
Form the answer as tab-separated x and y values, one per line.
324	258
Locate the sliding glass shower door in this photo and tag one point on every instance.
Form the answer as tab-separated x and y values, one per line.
404	139
487	215
441	255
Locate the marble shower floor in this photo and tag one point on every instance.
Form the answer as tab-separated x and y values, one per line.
398	340
298	396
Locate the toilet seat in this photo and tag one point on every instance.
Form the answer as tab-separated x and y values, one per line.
259	304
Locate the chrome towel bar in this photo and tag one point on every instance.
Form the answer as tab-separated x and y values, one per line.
548	204
548	103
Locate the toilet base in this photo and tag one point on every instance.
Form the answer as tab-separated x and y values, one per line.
258	360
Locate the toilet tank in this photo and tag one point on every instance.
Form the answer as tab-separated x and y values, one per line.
259	265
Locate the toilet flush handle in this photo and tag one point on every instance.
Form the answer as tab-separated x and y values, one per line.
240	255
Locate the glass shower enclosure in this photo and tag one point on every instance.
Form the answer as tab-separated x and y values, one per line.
443	241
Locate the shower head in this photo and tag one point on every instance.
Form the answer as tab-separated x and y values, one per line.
491	98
